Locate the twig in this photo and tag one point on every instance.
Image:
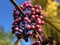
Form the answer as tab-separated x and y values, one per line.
17	42
16	5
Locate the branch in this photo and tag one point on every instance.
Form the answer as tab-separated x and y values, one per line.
39	36
16	5
17	42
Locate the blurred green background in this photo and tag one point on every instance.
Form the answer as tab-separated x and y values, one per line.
51	9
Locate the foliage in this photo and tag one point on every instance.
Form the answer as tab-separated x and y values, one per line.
5	38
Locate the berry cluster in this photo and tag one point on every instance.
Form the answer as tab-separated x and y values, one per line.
27	26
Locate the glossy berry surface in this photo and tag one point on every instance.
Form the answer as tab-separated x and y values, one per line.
31	22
